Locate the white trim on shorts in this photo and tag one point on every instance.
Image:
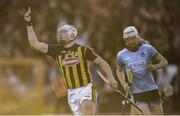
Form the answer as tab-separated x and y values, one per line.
78	95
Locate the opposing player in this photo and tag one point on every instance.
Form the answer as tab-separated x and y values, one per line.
73	61
137	57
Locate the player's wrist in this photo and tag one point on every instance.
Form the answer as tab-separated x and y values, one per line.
155	67
29	23
125	85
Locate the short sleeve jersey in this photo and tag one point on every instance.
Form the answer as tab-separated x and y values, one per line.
137	62
74	63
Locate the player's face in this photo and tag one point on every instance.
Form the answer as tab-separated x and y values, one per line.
132	43
63	37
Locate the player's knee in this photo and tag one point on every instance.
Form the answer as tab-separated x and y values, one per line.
87	107
146	110
157	110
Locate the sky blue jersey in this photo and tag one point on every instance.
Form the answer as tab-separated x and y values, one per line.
137	62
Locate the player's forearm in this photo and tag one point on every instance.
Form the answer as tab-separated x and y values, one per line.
32	38
34	42
107	70
163	63
120	76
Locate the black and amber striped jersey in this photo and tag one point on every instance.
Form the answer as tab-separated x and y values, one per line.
74	64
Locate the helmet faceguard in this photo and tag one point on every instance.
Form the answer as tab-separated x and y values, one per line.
66	29
130	33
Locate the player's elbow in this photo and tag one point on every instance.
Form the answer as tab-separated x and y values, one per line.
165	62
33	45
104	63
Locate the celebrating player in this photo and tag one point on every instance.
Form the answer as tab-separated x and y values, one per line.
73	61
137	57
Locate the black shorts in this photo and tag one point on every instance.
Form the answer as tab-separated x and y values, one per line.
148	96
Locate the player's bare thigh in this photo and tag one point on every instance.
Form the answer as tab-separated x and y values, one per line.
87	107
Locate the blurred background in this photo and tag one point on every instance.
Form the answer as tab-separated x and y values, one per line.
30	82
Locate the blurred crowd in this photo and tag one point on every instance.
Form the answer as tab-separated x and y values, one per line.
100	24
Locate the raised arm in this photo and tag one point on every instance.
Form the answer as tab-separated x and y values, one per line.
105	68
32	38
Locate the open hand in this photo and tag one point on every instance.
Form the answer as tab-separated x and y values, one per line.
168	91
27	15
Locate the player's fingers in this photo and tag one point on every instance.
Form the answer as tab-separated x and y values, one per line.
29	10
26	14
